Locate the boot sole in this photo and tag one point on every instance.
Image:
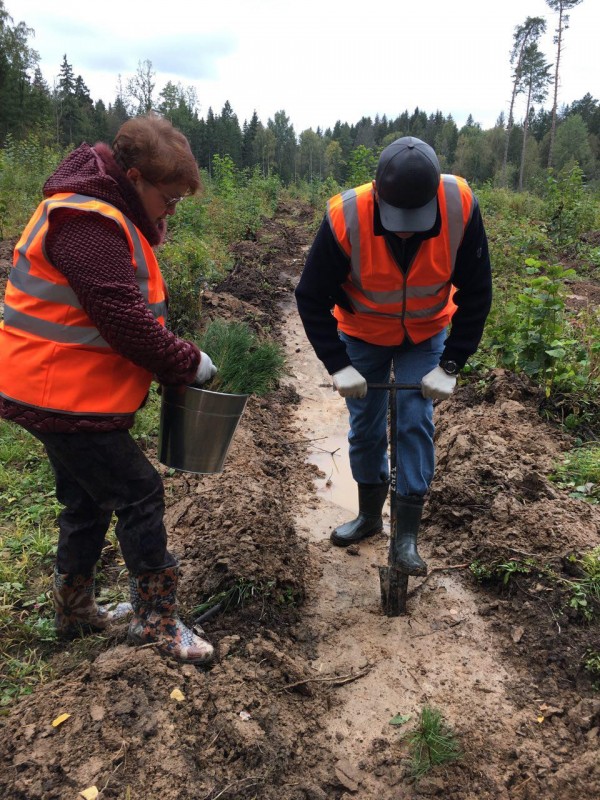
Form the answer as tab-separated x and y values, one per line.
344	541
416	573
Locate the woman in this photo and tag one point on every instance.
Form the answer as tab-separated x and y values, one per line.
83	335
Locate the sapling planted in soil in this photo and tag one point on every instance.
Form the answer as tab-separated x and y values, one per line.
246	364
432	742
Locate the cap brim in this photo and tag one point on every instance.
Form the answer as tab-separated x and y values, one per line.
408	220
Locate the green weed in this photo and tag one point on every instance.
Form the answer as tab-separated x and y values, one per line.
581	593
591	664
580	473
20	676
502	571
585	590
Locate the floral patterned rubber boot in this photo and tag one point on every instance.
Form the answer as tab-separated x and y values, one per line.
155	619
76	610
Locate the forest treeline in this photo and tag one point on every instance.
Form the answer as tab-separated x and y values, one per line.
513	153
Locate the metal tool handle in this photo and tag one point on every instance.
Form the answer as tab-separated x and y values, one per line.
394	585
401	386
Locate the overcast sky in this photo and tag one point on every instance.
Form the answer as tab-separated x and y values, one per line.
318	60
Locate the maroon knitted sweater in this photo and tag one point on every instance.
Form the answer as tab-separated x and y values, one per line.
93	254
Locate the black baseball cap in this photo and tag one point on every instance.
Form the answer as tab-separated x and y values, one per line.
407	181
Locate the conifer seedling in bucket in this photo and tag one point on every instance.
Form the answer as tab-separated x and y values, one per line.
197	424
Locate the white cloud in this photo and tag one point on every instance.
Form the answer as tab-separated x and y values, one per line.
319	61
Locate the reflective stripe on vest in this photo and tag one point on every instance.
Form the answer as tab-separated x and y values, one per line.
22	280
52	356
420	298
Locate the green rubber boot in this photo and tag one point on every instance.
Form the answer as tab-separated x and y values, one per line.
408	520
371	498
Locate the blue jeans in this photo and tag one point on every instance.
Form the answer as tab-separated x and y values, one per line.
368	436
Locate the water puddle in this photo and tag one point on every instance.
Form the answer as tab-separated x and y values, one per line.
337	485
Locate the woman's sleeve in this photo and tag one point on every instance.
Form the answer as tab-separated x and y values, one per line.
93	255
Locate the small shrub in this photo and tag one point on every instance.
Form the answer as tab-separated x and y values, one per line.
569	207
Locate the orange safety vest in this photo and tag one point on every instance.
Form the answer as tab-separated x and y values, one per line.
51	354
389	304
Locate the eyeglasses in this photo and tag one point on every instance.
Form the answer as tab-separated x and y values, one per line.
170	202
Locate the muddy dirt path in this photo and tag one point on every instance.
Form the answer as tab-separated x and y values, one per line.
441	653
309	670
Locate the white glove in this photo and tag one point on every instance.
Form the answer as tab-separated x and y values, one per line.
349	383
206	369
437	384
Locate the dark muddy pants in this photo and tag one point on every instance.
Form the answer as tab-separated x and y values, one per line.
98	474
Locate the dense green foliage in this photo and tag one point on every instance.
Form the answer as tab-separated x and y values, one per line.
532	328
512	153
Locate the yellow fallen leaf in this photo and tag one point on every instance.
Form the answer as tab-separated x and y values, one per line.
540	718
91	793
59	720
177	694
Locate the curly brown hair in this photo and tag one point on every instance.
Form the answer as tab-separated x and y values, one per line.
160	152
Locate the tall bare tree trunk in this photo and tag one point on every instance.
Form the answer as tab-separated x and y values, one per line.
563	23
556	70
525	131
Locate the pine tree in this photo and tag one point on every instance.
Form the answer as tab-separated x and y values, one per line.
561	7
66	106
536	79
530	31
249	134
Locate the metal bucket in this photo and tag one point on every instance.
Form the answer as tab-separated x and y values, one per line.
196	427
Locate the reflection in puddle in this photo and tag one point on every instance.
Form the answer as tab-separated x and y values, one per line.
337	484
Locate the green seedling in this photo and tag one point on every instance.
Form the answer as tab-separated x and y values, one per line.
243	592
247	364
432	743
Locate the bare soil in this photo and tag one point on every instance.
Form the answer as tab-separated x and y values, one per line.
310	671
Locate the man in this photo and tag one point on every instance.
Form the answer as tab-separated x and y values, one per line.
393	263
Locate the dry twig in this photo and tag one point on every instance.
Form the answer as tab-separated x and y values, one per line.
337	680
